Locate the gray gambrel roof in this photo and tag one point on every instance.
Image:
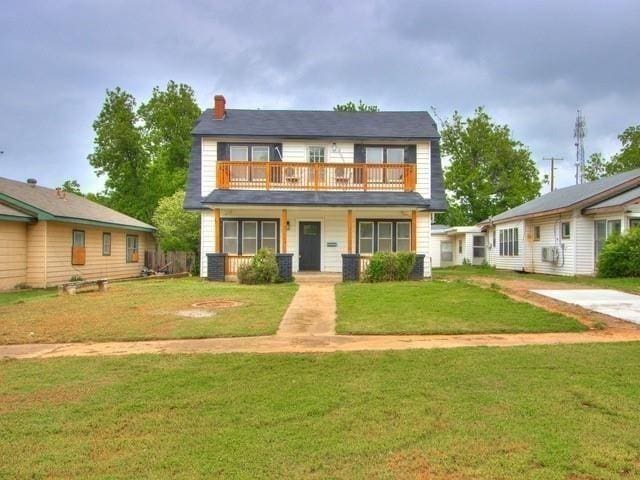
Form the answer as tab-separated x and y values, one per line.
356	126
47	204
329	199
318	124
574	196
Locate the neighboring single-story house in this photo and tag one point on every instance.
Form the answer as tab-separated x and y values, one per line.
47	236
562	232
453	245
323	190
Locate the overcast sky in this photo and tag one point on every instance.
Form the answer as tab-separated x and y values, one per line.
531	64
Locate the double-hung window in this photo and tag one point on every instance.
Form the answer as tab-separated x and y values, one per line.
78	253
316	154
132	249
403	236
395	156
106	244
566	230
245	237
509	246
383	236
603	230
365	238
260	154
374	156
239	154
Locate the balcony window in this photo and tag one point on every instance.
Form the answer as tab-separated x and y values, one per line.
395	156
316	154
239	154
259	154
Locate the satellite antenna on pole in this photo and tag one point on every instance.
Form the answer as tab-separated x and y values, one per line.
579	132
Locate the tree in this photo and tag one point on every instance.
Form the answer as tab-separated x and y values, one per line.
72	186
595	167
178	229
629	156
168	119
120	155
489	173
352	107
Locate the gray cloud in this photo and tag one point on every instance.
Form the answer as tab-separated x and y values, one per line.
530	64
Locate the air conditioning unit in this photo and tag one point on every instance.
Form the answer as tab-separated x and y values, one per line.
550	254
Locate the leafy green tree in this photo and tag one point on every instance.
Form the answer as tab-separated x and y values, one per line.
168	118
178	229
119	154
352	107
71	186
629	156
489	172
595	167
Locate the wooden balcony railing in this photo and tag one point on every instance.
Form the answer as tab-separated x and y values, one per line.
316	176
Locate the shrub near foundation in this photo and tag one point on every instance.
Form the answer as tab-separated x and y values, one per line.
620	256
389	267
262	269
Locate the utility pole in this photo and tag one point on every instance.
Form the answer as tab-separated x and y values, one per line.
553	161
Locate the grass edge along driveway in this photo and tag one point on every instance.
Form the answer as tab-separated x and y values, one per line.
439	307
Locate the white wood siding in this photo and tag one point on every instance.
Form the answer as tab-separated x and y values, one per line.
208	159
551	236
13	254
423	240
207	239
514	262
585	254
423	169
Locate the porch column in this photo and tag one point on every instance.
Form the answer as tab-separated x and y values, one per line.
349	231
283	231
414	229
217	227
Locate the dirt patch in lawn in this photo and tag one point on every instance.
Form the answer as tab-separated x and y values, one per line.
220	303
520	290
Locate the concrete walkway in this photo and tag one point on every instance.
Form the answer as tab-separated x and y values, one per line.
308	326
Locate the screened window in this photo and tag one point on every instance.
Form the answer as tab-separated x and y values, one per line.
132	248
375	154
446	252
566	229
385	236
249	238
230	237
239	154
316	154
478	246
365	235
536	233
509	242
78	238
259	154
106	244
403	236
270	235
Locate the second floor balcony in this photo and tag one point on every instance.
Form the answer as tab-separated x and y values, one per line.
362	177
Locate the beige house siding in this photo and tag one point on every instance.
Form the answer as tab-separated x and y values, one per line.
37	254
13	254
59	242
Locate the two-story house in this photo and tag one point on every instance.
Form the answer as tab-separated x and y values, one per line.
319	188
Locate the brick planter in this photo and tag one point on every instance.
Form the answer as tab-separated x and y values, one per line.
285	266
215	266
350	267
417	272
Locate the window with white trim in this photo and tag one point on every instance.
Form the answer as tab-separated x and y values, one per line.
509	246
270	235
365	238
385	236
249	237
132	249
239	153
403	236
230	235
566	230
315	154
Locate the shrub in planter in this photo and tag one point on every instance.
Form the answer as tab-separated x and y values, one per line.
620	255
387	267
262	269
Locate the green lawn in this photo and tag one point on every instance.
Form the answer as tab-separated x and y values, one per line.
439	307
467	271
141	310
554	412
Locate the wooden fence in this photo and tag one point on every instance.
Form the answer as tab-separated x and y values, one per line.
169	262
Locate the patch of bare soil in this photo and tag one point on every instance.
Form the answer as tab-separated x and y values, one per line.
195	313
219	303
520	290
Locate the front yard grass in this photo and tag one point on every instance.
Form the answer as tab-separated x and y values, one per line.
439	307
141	310
543	412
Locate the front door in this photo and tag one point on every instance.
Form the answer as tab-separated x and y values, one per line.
309	246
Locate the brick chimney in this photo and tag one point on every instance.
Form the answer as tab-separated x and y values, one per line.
219	107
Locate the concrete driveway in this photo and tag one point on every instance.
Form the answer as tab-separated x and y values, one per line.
624	306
